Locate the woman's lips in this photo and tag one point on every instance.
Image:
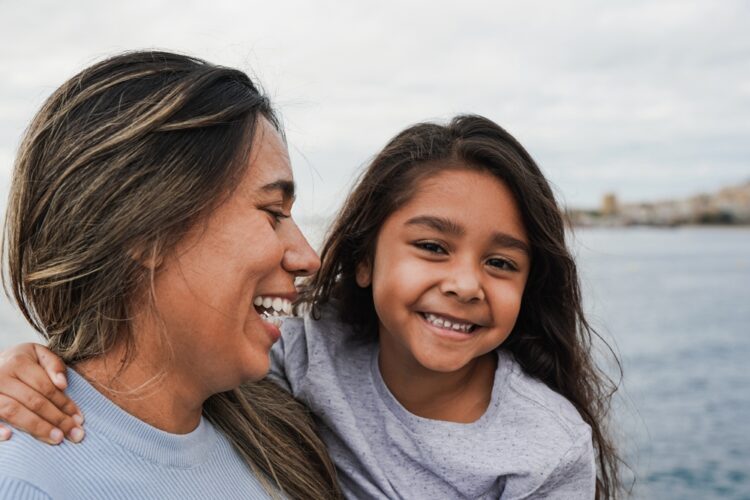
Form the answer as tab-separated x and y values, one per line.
272	309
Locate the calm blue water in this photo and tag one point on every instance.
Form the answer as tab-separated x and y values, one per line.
677	305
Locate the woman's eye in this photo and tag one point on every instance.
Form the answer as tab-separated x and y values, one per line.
276	215
431	247
502	264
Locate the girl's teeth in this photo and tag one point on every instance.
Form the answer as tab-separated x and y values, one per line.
258	301
267	302
438	321
277	304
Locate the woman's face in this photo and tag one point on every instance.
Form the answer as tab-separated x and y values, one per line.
248	250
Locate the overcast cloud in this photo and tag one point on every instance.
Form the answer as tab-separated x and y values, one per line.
649	99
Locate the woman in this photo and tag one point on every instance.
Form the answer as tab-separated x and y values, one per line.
150	209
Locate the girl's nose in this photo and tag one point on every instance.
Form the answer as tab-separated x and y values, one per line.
463	285
299	258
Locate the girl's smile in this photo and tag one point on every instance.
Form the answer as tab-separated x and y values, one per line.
450	323
450	329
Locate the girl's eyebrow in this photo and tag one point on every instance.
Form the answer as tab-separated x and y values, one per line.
453	228
507	241
439	224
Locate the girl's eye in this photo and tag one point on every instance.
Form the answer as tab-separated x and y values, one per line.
502	264
431	247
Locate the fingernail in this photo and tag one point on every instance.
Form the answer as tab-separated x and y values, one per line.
76	435
56	436
61	380
78	419
4	434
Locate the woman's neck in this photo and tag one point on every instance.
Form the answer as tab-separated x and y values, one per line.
146	388
461	396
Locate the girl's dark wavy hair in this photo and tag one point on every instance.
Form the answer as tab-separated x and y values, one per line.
551	338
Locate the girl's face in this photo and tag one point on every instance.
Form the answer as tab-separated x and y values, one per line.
449	271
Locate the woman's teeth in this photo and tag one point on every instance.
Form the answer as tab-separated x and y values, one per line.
450	325
272	309
273	303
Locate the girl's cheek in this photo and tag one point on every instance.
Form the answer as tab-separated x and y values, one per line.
507	297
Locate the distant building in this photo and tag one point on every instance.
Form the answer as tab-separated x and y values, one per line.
609	205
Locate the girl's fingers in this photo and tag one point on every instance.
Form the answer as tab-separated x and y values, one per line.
30	401
42	408
37	379
5	433
53	365
13	411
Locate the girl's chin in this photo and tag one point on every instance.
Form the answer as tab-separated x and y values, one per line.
443	363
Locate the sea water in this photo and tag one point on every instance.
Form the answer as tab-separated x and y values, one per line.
676	305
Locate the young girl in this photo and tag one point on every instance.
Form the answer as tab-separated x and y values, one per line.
444	352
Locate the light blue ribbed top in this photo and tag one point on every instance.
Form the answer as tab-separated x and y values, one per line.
124	457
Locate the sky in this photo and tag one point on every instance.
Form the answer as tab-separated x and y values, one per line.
648	99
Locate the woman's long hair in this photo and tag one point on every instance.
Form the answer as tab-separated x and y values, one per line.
125	157
551	338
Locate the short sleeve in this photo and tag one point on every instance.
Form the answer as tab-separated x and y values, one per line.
18	489
289	358
276	372
574	477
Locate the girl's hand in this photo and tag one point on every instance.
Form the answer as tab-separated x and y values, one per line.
32	381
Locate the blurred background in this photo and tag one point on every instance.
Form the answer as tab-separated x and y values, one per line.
638	112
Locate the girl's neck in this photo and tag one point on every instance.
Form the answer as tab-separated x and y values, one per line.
461	396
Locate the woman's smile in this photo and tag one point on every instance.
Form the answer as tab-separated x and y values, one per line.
272	309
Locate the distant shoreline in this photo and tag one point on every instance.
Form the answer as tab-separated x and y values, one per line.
678	225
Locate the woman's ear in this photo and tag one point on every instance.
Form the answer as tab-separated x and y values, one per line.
148	257
363	274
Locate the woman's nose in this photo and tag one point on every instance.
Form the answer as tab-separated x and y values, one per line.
299	258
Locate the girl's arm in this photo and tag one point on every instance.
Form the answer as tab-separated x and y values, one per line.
32	381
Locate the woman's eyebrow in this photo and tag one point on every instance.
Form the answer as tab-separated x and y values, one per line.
453	228
286	187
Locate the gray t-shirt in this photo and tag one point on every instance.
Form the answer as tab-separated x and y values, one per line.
530	443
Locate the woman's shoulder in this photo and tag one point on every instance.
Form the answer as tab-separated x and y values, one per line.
31	466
